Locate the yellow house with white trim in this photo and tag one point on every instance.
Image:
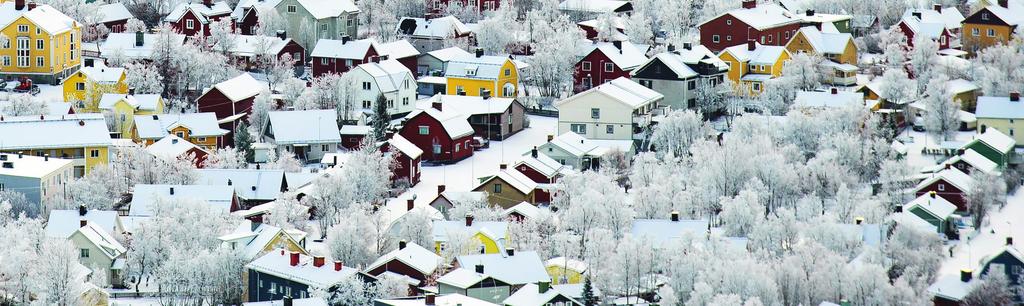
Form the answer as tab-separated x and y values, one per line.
752	64
565	271
83	138
125	107
492	236
41	42
85	88
473	75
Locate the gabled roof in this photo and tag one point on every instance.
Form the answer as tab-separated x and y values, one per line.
961	86
171	147
145	197
254	241
448	54
102	74
763	16
825	99
241	87
593	6
250	184
999	108
467	105
1013	14
681	60
529	295
483	67
824	42
29	166
928	29
523	208
995	139
973	158
950	287
413	255
408	148
522	268
627	58
147	102
70	131
355	130
462	278
494	229
47	18
542	163
201	11
63	223
514	178
437	28
761	55
253	45
933	204
953	176
662	231
353	49
389	75
574	144
125	44
102	240
455	124
399	49
305	272
244	5
950	17
158	126
321	9
572	264
622	90
114	12
305	127
451	299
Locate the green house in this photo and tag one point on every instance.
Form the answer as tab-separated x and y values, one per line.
993	145
933	209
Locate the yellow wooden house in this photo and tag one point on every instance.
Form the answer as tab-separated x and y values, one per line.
82	138
85	88
837	50
44	44
565	271
487	237
125	107
994	23
200	129
751	65
508	188
481	74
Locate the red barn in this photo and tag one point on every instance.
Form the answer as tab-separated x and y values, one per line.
606	61
951	184
542	170
444	137
231	100
193	19
767	23
340	56
437	7
407	160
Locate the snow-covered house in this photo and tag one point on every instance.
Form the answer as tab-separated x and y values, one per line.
430	299
543	170
200	129
473	283
933	209
483	75
937	23
334	19
593	8
388	78
308	134
661	232
40	179
115	16
253	239
967	161
126	107
837	49
402	51
134	46
507	188
250	49
678	74
407	158
62	223
434	63
766	23
1002	114
277	274
446	200
98	248
950	183
602	62
521	212
616	110
193	19
82	138
539	294
591	28
580	153
146	199
443	135
831	99
492	118
340	56
953	289
408	260
231	100
253	186
172	147
246	14
994	145
352	135
491	234
515	269
753	64
564	270
429	34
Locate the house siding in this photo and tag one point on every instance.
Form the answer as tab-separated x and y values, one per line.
597	74
436	134
509	195
974	43
216	102
741	33
284	287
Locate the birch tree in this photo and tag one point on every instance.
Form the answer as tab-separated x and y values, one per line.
942	113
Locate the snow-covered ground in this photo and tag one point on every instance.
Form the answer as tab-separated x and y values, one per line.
917	159
990	239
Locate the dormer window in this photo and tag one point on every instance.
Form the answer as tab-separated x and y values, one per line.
471	70
984	16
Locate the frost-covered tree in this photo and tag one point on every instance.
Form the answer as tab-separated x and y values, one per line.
281	69
897	88
740	213
493	33
677	131
243	140
58	279
349	239
134	25
222	35
259	117
283	160
942	113
802	71
987	193
555	49
226	158
17	204
923	57
144	78
990	71
995	289
24	105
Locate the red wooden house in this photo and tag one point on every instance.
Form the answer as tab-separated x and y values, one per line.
767	23
407	160
193	19
437	7
912	25
340	56
409	259
542	170
115	16
231	100
444	137
605	61
352	135
403	52
951	184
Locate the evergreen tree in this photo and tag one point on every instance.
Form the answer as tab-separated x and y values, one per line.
589	299
243	141
381	118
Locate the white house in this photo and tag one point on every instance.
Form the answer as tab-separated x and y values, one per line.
308	134
614	111
389	78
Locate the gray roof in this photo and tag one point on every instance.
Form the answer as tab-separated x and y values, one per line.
999	108
145	197
305	127
250	184
53	132
522	268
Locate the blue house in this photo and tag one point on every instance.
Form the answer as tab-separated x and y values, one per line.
1010	260
279	273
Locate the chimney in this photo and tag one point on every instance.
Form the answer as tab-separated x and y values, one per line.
31	5
965	274
440	189
671	48
46	157
510	251
916	14
345	39
318	261
899	208
618	45
1004	3
502	166
469	220
937	7
294	259
479	269
428	300
1015	96
401	245
835	91
1009	240
751	45
286	300
675	216
338	265
82	211
282	34
410	204
174	141
257	166
437	106
687	46
229	182
131	91
172	190
858	220
947	166
551	137
809	12
83	223
486	94
19	4
533	152
479	52
749	4
140	39
208	3
542	287
253	187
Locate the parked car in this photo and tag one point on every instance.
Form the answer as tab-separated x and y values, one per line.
480	143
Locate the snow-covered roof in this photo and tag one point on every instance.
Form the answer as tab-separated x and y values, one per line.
824	42
99	237
495	229
146	102
171	147
516	179
573	290
250	184
145	197
437	28
934	204
451	299
483	67
200	10
1013	14
622	90
241	87
405	146
616	21
252	45
826	99
680	61
572	264
574	144
662	231
102	74
996	139
467	105
323	277
53	132
448	54
628	57
953	176
462	278
114	12
47	18
973	158
305	127
413	255
928	29
354	130
389	75
530	295
353	49
544	164
950	287
524	209
999	108
313	301
399	49
950	17
463	196
961	86
321	9
254	241
158	126
522	268
125	43
763	16
244	5
592	6
761	55
454	123
63	223
823	19
31	166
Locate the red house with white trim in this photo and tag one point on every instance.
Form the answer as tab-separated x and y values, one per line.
231	100
912	25
193	19
444	137
766	23
951	184
542	170
407	160
340	56
602	62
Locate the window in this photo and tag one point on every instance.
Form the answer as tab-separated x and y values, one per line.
323	60
757	86
691	85
508	72
787	34
189	24
762	40
609	129
595	113
578	128
609	67
728	38
39	31
497	188
323	27
39	44
291	8
1011	132
22	28
647	83
201	139
975	32
7	60
83	253
586	65
324	148
437	149
715	38
405	101
984	16
941	187
391	103
366	104
39	61
424	130
770	38
457	147
459	89
80	86
366	85
728	22
763	68
22	53
991	33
